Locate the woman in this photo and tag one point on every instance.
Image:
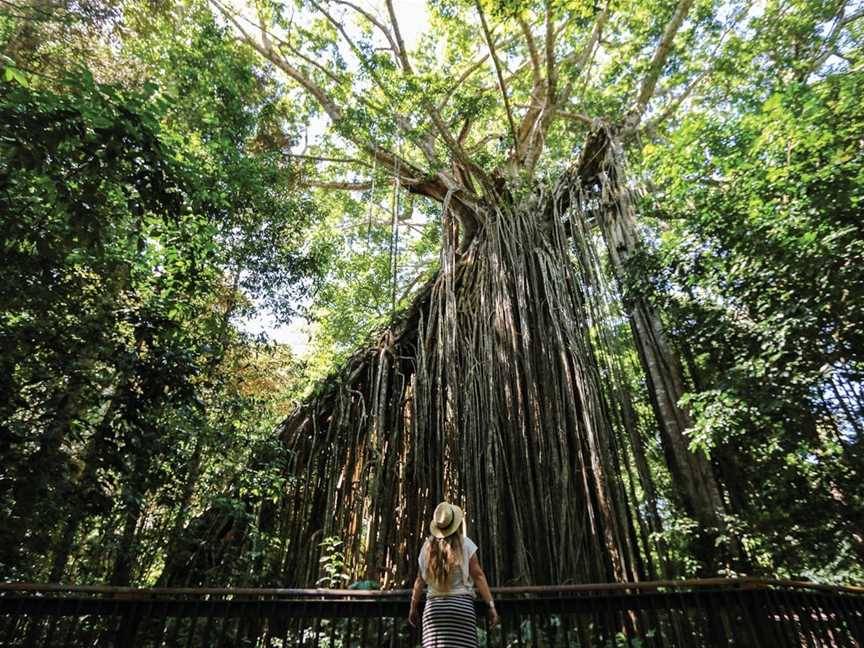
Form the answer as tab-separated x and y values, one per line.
449	566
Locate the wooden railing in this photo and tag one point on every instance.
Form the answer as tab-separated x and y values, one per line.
692	613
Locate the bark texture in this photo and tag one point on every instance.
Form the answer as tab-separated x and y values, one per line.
694	476
489	391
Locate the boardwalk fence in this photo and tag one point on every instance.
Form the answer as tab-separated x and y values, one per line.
662	614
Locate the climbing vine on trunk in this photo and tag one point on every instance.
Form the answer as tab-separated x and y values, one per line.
494	390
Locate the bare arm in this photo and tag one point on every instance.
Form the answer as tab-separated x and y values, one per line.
416	594
483	587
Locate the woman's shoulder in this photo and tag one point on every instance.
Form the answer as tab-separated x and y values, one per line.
424	549
469	546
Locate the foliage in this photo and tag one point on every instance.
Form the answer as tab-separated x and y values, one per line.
126	388
91	302
332	563
759	270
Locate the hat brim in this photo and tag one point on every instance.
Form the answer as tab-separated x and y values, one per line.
438	532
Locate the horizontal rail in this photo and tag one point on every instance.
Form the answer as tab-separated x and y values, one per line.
644	586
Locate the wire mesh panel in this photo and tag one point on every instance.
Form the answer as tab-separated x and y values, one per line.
741	613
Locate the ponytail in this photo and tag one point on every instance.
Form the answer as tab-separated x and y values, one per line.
444	554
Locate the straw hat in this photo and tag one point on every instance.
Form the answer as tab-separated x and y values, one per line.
446	520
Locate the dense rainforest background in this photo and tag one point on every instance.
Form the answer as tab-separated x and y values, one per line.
593	269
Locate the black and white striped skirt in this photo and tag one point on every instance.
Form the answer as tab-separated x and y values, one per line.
450	622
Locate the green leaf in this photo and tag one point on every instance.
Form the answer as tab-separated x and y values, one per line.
12	73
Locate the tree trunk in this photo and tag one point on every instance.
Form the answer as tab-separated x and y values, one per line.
84	488
132	502
692	471
124	558
181	516
646	482
486	392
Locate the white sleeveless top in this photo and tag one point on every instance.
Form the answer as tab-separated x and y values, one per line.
460	581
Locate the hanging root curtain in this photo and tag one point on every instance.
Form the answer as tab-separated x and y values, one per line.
498	389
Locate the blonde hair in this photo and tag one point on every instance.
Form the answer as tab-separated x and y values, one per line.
444	554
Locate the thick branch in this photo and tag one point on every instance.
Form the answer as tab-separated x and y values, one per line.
579	58
531	129
318	158
270	54
491	45
840	21
407	172
582	118
475	65
403	53
658	61
360	185
463	133
532	51
551	72
372	19
542	109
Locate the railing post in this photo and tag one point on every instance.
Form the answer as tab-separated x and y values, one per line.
754	610
127	630
854	617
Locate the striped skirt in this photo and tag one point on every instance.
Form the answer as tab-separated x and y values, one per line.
450	622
